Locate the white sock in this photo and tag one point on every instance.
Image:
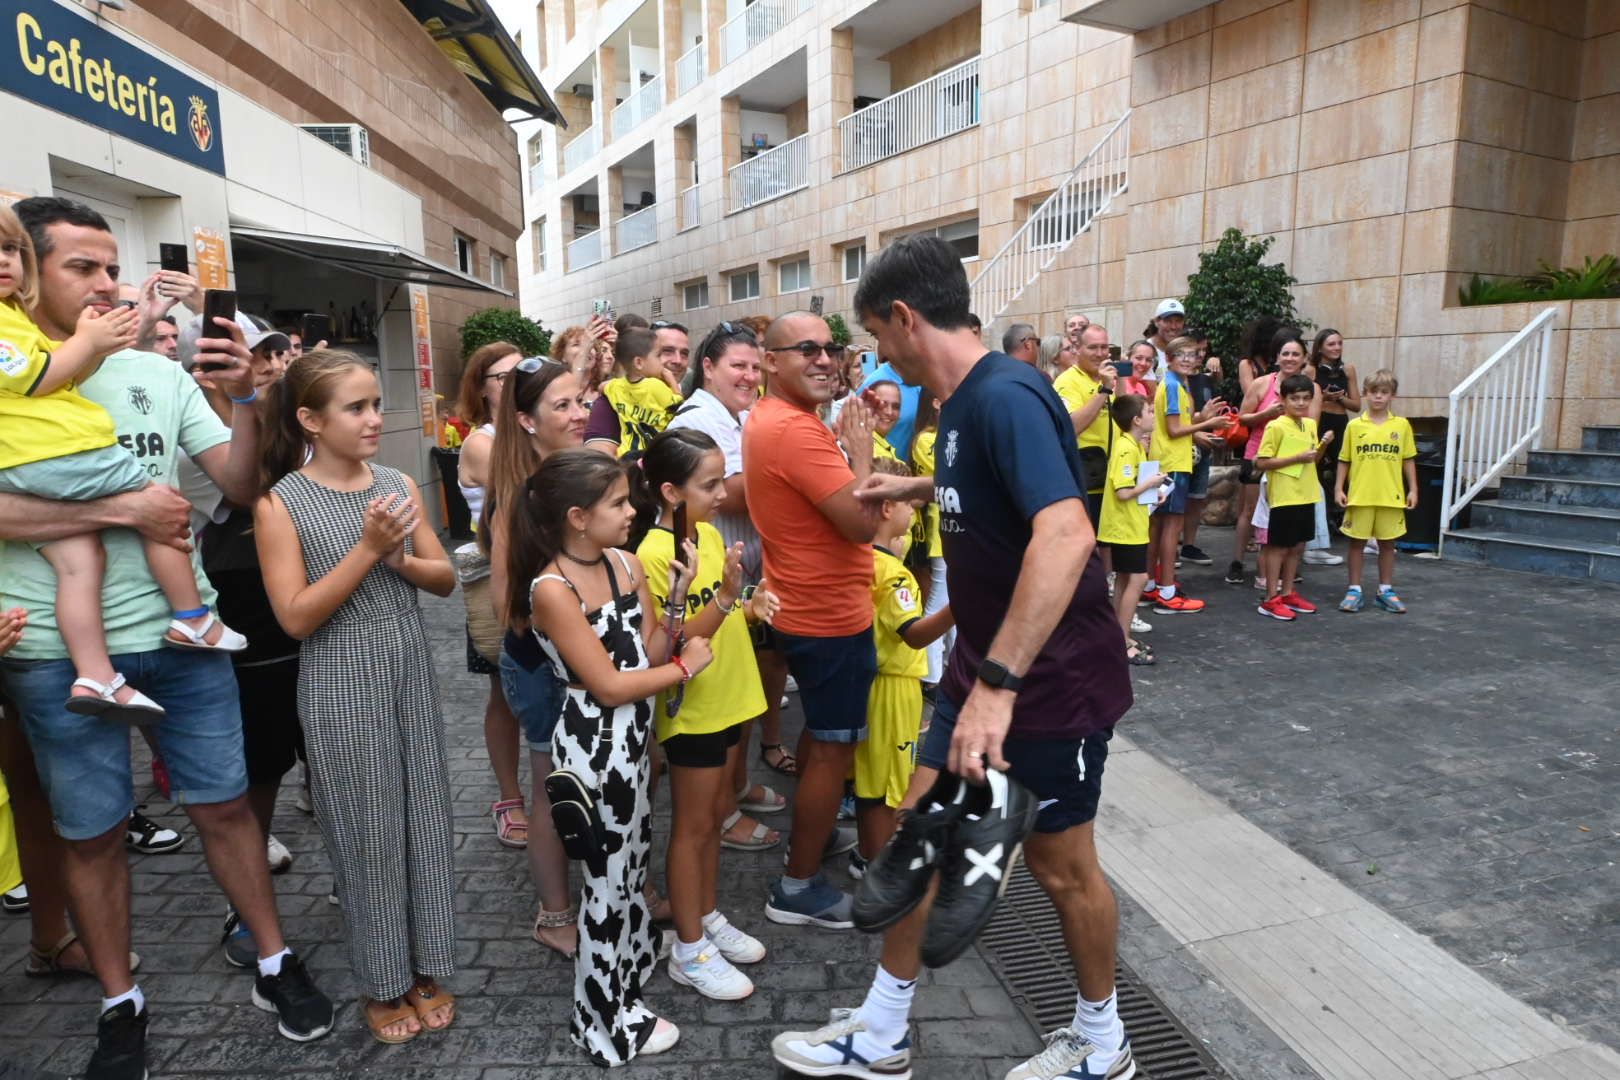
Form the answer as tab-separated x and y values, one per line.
1099	1022
1385	587
1353	588
887	1006
685	953
271	965
1150	586
132	994
1167	592
714	921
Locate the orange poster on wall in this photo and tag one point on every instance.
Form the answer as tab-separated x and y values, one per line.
422	345
209	246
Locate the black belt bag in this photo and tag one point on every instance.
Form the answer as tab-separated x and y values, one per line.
577	819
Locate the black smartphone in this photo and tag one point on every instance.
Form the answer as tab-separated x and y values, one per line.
314	329
1122	368
680	527
174	257
220	303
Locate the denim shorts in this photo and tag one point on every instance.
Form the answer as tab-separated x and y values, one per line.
1065	774
535	697
1199	487
1176	501
835	678
84	762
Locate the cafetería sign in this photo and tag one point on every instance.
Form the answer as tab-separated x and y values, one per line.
65	62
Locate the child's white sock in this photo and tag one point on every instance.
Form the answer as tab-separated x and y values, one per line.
1384	586
1168	592
1150	586
887	1005
271	965
1099	1022
685	952
1353	588
132	994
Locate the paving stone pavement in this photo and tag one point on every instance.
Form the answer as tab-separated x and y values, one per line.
1456	765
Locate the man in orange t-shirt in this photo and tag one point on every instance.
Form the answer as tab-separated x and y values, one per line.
816	537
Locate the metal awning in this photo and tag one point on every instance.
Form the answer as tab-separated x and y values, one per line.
468	32
389	262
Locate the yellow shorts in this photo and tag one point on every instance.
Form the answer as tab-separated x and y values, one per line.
886	759
1374	522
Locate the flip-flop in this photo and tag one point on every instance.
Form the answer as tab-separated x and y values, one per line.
786	763
769	802
756	840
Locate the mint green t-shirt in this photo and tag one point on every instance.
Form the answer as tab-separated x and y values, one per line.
157	411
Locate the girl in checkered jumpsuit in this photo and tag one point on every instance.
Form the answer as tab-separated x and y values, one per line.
343	560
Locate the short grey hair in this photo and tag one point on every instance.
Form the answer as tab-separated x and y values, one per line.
1015	333
1051	346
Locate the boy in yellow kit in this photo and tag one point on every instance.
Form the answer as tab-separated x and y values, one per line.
1124	525
1378	454
885	761
1287	456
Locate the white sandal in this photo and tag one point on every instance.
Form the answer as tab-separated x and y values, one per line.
771	804
229	640
756	840
139	709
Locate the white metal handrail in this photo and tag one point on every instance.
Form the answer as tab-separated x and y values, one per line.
756	22
1497	414
689	69
584	251
639	106
582	148
932	109
691	209
1102	176
778	171
636	230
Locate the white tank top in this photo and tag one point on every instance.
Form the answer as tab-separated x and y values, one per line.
475	495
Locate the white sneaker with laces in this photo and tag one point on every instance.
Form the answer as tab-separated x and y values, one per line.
843	1047
711	974
1139	625
1322	557
792	686
1068	1056
734	945
281	859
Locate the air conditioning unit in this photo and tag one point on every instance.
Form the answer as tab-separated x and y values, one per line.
349	139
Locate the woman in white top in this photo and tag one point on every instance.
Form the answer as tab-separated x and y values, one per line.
481	382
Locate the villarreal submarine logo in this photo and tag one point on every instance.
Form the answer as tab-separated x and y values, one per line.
202	128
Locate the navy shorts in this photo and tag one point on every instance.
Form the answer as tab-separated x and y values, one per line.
835	677
1176	501
1065	774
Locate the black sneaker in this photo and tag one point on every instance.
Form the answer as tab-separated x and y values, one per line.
995	818
897	877
146	836
1194	554
305	1012
120	1045
1235	574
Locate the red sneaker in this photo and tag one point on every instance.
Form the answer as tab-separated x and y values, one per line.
1298	604
1276	609
1177	605
1149	596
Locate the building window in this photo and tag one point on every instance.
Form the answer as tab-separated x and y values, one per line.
961	235
464	253
497	271
854	261
695	295
744	285
537	238
793	276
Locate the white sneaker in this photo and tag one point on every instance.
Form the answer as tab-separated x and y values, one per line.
301	800
1370	548
843	1048
664	1036
280	858
792	686
1068	1054
711	974
1322	557
1138	626
734	945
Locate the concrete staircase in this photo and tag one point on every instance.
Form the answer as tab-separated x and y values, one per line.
1561	517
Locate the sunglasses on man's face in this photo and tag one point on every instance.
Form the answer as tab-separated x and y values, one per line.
810	350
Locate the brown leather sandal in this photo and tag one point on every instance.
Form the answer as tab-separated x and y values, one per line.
48	964
428	997
380	1014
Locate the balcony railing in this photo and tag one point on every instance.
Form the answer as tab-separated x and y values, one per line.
636	230
584	251
932	109
691	209
689	69
583	147
755	23
777	172
638	106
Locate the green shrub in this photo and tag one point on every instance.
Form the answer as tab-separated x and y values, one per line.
1593	280
1232	287
503	324
838	327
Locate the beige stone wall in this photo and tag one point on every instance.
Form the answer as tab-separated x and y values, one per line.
932	52
1594	175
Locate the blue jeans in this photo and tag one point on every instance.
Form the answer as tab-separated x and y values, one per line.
84	762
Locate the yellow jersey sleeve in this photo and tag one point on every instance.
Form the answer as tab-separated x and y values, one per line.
25	351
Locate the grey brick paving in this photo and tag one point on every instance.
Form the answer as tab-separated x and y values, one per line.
1457	765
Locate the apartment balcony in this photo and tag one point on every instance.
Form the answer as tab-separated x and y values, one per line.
689	69
779	171
636	230
638	106
537	175
755	23
691	212
584	146
933	109
584	251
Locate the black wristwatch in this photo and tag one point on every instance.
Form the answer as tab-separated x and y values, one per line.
1107	390
994	673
